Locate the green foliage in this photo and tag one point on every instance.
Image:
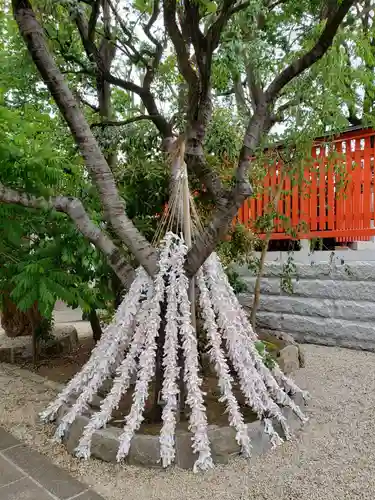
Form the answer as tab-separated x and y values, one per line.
288	272
262	347
235	280
42	256
224	135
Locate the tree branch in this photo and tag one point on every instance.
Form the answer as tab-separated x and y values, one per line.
255	89
184	65
215	30
137	55
95	162
95	10
84	101
74	208
230	203
309	58
147	27
197	165
239	7
111	123
144	92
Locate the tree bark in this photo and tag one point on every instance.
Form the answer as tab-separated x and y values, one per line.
95	162
95	325
230	204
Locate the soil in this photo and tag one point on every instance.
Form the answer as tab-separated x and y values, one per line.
61	368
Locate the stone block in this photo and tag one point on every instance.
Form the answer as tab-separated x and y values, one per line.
5	355
354	271
302	356
9	472
25	489
55	480
223	443
64	340
288	359
96	401
327	331
145	450
7	440
90	495
259	440
74	433
105	444
323	289
105	387
185	457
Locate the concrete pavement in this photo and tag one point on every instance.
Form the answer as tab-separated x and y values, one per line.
28	475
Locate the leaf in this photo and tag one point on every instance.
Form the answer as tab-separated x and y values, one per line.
211	7
260	347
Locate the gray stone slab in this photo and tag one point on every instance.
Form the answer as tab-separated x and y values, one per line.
55	480
8	472
24	490
89	495
328	331
144	450
7	440
324	289
351	271
185	457
310	306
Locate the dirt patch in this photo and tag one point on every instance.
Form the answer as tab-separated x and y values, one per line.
61	368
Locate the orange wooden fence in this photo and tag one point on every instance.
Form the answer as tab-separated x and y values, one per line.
334	198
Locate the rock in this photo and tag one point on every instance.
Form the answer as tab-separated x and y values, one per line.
223	443
260	441
72	437
105	387
105	444
185	457
282	340
289	359
96	401
144	450
63	340
302	358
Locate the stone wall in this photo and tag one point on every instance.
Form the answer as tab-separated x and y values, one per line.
330	305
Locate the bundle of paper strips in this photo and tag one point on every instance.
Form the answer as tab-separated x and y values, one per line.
128	347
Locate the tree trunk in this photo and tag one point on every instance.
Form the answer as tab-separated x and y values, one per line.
94	159
95	325
17	323
37	331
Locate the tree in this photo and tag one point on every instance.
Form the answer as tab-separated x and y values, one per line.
104	65
182	31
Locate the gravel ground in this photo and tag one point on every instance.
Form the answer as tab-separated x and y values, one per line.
332	458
